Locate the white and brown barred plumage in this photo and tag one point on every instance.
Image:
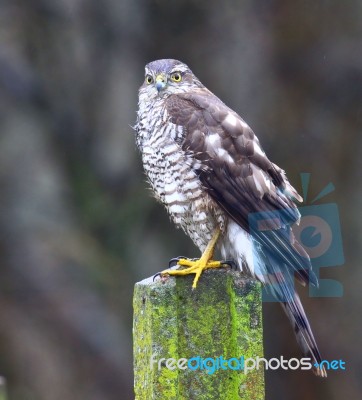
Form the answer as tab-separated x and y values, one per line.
206	166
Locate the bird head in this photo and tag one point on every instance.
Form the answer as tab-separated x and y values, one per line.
165	77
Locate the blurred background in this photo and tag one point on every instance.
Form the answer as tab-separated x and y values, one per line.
78	225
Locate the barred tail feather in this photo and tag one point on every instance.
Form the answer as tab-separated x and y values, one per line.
283	258
283	290
303	332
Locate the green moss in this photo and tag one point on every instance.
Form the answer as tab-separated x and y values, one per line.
222	317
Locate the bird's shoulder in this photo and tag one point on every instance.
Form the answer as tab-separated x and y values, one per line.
200	102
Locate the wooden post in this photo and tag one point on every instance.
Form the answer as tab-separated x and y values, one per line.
221	317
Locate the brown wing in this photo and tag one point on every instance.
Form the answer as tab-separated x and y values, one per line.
231	163
237	174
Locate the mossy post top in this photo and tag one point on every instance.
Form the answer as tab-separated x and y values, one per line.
219	320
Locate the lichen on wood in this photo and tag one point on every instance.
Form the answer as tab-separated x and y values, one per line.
222	317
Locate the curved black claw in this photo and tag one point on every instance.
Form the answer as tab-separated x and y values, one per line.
173	262
230	263
156	276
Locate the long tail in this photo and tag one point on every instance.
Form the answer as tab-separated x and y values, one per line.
282	288
278	257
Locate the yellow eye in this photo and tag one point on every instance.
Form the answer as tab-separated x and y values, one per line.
149	79
176	77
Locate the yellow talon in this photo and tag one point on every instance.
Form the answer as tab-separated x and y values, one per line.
198	266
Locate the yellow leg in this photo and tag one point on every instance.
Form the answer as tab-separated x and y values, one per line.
198	266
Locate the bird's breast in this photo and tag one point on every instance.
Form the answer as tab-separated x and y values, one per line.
175	183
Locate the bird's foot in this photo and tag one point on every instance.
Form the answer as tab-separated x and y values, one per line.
196	266
193	266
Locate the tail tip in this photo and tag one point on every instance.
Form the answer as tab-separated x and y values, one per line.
320	372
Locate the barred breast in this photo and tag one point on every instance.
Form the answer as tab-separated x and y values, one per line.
172	177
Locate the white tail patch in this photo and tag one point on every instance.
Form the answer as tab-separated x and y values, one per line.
238	246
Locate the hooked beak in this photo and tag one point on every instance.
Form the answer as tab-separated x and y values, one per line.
160	82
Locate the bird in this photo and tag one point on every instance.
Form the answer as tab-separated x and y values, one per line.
207	167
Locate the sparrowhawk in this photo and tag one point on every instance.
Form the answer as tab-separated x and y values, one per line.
206	165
